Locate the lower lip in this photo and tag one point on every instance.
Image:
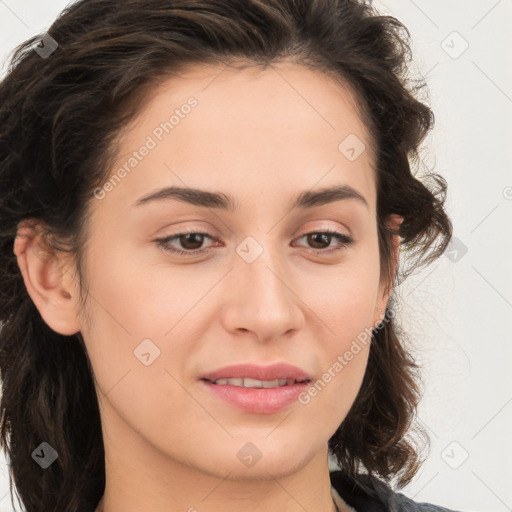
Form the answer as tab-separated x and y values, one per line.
258	400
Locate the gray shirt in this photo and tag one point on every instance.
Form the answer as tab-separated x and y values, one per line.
369	494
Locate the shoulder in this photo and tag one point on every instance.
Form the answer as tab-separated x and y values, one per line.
368	494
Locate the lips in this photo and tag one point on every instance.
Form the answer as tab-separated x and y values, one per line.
257	389
262	373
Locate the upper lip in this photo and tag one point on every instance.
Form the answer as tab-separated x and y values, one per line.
252	371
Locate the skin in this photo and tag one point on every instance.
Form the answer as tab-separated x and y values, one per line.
262	136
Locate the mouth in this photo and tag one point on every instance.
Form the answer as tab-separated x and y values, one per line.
257	389
248	382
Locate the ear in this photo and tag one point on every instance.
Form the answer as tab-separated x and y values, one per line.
48	276
386	285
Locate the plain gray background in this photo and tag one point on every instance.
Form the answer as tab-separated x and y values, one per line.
458	312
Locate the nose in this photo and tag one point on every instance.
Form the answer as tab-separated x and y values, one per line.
260	298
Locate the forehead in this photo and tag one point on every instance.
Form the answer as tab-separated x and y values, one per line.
250	129
274	98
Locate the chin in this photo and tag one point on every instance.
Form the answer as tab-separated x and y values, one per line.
276	468
262	460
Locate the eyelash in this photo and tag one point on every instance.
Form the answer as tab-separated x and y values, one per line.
344	240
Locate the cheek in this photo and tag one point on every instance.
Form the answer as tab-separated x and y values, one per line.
135	317
126	305
140	299
345	305
349	314
345	297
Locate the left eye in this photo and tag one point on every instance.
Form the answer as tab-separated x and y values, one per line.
193	241
320	237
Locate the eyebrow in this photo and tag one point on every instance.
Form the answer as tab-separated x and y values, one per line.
198	197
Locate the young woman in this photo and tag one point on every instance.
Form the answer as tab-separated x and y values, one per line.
204	208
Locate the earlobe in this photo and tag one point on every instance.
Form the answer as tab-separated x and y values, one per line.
48	278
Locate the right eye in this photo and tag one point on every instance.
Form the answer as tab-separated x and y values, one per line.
185	239
323	237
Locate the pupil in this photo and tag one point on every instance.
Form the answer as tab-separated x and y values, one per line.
315	236
187	238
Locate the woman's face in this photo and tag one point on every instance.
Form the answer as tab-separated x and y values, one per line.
259	289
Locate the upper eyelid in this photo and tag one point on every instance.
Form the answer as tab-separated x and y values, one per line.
324	227
200	231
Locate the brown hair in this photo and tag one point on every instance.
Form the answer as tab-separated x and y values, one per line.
58	119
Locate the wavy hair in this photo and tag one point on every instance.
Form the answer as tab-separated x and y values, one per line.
59	119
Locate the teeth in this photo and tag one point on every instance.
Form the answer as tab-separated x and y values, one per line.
247	382
253	383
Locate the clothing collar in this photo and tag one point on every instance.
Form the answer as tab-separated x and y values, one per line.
364	494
